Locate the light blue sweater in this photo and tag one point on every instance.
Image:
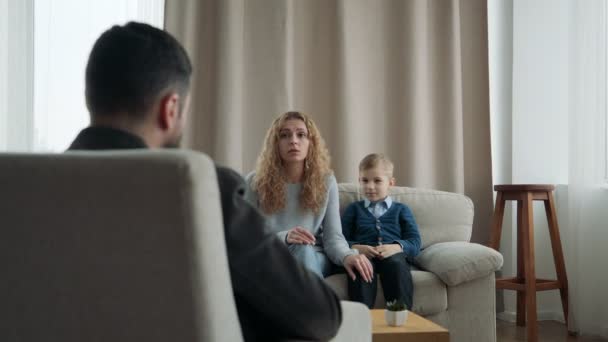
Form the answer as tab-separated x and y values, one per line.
327	220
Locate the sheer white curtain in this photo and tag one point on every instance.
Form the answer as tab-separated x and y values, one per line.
44	46
16	74
587	230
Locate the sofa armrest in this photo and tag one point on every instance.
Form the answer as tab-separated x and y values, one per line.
458	262
356	323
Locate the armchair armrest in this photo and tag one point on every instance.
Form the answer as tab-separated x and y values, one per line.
458	262
356	323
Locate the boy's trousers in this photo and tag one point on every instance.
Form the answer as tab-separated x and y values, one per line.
396	282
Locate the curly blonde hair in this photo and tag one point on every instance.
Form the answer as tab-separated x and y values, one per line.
269	168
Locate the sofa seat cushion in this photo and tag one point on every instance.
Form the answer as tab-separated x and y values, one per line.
430	294
458	262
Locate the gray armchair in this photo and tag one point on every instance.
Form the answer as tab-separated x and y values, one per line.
95	248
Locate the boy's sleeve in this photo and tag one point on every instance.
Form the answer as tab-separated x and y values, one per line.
410	236
348	224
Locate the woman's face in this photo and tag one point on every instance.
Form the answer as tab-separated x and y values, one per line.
293	141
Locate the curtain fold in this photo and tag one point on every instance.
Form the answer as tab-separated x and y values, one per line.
406	78
586	232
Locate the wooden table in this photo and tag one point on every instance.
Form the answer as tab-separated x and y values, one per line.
416	328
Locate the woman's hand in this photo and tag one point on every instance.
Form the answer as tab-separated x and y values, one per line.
369	251
361	264
300	236
386	251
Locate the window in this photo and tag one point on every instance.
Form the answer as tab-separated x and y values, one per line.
606	109
50	46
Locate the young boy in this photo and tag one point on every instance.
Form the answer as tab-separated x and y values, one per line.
383	230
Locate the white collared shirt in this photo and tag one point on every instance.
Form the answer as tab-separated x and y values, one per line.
378	208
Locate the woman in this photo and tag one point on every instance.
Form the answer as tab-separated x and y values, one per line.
295	189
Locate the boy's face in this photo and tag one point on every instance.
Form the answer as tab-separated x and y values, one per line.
375	183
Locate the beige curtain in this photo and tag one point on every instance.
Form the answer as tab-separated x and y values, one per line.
406	78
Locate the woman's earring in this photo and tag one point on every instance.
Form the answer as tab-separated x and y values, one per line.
306	164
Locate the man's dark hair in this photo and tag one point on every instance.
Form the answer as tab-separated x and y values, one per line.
130	66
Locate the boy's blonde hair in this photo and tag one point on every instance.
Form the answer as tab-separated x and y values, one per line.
374	160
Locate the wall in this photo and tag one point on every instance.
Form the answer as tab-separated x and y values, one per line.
529	55
540	117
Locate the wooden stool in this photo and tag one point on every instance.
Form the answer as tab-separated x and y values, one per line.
526	284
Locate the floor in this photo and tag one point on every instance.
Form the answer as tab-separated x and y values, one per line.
549	331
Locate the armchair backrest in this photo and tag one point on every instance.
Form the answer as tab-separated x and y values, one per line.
113	246
441	216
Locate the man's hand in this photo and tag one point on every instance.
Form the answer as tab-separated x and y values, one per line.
386	251
361	264
300	236
369	251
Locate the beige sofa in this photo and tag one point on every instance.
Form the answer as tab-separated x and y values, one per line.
119	246
454	279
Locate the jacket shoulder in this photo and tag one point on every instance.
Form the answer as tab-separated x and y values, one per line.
229	179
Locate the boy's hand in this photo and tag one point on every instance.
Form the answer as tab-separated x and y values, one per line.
386	251
369	251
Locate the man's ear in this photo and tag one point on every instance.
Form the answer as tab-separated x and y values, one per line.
391	182
168	111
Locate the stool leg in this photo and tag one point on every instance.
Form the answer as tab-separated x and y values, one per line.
558	255
528	229
499	211
521	276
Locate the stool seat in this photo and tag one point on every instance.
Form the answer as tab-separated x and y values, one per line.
525	283
524	187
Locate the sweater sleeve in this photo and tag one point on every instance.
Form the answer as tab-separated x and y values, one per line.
251	196
334	243
410	236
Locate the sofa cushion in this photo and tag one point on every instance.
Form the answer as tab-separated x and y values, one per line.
458	262
441	216
430	294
